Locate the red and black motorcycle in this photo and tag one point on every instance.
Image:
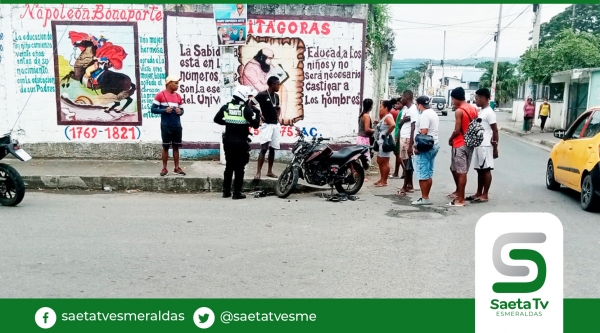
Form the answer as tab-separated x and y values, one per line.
12	186
318	164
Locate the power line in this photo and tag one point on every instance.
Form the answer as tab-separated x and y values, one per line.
445	25
491	39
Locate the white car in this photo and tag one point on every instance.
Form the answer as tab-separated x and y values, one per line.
439	103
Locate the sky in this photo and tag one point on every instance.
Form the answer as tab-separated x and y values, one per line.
469	29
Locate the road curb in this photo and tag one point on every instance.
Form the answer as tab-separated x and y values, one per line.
149	184
524	137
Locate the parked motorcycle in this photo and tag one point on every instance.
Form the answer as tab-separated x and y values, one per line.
12	187
318	165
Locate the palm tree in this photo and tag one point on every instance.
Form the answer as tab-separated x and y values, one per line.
507	82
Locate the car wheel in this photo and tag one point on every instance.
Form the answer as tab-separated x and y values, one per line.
551	183
444	113
589	198
440	106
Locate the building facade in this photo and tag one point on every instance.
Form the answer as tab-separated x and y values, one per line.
58	106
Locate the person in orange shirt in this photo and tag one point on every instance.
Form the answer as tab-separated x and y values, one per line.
461	153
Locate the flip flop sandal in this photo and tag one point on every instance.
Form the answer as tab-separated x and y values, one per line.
454	204
381	185
478	200
470	198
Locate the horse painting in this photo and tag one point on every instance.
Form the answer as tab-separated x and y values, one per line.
103	79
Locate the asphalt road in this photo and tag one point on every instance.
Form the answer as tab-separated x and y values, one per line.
180	245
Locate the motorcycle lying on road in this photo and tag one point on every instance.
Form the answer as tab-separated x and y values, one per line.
318	165
12	186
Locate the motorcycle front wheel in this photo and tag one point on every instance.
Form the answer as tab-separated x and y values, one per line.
354	181
287	182
12	187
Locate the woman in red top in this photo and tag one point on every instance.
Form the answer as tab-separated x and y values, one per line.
529	114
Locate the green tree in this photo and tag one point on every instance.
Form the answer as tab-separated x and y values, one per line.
380	39
484	64
409	81
507	82
587	19
568	50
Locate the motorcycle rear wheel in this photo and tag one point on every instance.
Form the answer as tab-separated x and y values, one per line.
12	187
359	179
287	182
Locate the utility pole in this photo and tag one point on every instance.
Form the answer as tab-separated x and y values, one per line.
535	42
495	73
573	19
443	72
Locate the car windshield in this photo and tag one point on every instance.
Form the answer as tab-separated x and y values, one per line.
593	127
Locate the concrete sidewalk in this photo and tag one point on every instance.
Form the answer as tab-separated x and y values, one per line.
506	125
201	176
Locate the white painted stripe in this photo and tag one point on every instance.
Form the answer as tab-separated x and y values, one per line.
170	104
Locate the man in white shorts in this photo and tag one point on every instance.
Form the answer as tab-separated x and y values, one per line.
484	155
270	130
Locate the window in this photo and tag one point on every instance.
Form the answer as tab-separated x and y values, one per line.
593	128
521	91
545	91
473	85
575	132
557	91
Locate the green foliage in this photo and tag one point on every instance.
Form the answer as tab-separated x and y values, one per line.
566	51
485	64
587	19
409	81
380	37
507	82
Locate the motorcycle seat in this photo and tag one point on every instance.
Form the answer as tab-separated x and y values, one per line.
345	153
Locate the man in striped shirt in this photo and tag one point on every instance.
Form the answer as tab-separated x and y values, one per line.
169	104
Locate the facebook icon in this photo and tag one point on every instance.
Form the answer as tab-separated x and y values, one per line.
45	317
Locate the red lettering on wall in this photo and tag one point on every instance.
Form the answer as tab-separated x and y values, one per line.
293	27
260	23
98	13
284	28
314	28
271	28
250	27
325	29
281	28
303	26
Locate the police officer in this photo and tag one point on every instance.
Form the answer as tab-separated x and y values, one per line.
237	116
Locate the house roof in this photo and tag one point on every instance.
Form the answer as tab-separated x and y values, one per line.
572	71
573	74
472	75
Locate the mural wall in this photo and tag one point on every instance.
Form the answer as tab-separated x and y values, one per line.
89	73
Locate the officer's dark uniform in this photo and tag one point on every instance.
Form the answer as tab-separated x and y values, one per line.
237	118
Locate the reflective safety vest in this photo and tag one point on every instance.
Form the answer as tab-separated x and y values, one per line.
235	114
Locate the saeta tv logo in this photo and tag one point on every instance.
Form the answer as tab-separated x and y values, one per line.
519	254
518	273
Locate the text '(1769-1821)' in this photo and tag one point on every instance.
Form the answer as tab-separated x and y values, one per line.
34	55
332	76
199	75
152	71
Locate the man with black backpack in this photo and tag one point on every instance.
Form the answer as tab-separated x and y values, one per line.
466	135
